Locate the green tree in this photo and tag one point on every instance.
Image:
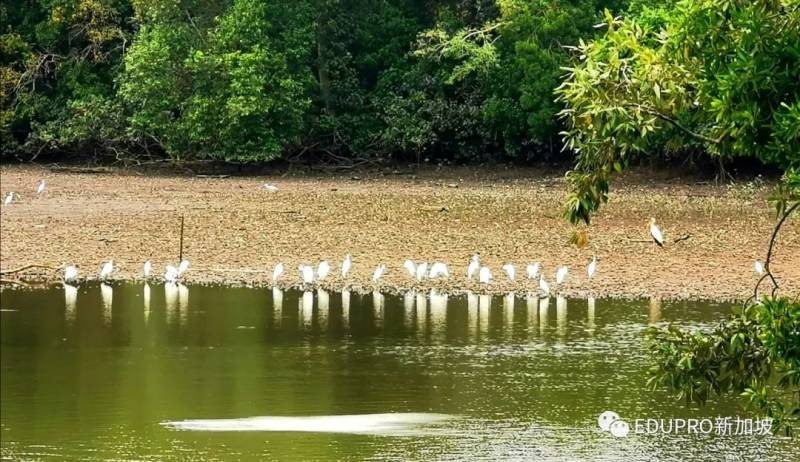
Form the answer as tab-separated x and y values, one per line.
755	354
718	77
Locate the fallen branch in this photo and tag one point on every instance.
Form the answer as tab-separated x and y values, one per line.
682	238
23	268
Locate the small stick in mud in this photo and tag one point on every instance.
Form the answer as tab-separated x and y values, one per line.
180	252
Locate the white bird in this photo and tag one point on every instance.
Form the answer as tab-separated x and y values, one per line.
474	267
533	270
656	233
544	286
484	275
379	272
9	197
307	273
182	267
759	267
170	274
106	270
346	265
270	187
40	188
410	267
147	268
511	272
561	275
592	268
322	270
276	272
70	273
422	268
439	269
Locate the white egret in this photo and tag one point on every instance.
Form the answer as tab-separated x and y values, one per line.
40	188
106	270
271	187
561	275
544	287
759	267
70	273
592	268
307	274
170	274
439	269
379	272
484	275
532	270
346	265
147	268
474	267
9	198
322	270
422	269
276	272
182	267
510	271
410	267
656	233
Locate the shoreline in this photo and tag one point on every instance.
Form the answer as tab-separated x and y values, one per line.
235	231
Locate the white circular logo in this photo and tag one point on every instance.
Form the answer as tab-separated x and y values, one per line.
620	428
609	421
606	419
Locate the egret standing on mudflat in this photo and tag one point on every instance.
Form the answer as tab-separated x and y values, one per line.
511	272
322	270
106	270
592	268
9	197
182	267
484	275
276	272
170	274
532	270
40	188
474	267
306	273
422	268
379	272
561	275
147	268
70	273
410	267
439	269
656	233
759	267
346	265
544	286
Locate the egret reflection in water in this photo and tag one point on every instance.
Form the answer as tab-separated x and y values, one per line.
345	307
655	311
590	314
107	295
70	300
561	315
277	303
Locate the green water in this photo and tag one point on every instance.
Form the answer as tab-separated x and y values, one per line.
98	374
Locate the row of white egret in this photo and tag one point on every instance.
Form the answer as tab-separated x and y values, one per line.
417	272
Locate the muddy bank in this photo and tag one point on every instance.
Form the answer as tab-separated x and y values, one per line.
235	230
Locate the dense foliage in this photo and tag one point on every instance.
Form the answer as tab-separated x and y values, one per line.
755	354
245	80
708	76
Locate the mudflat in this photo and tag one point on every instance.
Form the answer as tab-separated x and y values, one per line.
235	230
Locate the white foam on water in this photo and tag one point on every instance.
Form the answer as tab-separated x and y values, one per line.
400	424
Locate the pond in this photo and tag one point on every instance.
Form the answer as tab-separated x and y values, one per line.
135	372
